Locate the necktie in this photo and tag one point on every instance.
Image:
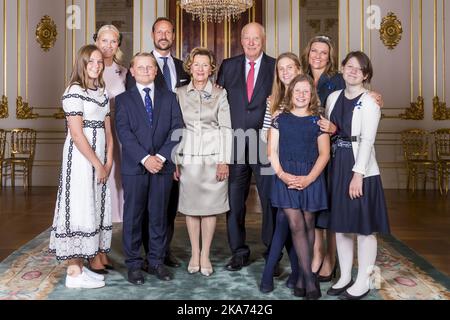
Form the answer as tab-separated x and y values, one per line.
251	81
149	105
166	74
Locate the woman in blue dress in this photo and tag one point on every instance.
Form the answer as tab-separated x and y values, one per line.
357	203
299	153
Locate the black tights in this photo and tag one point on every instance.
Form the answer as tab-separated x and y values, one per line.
302	225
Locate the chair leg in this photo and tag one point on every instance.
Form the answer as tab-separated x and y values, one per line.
407	181
29	176
440	179
425	179
25	178
446	181
13	175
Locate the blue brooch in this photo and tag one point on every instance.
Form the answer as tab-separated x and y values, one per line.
330	85
315	119
358	104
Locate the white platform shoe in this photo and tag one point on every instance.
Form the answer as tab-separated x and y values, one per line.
83	281
93	275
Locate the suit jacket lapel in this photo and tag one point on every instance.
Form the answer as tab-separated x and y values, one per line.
157	105
262	74
178	69
242	67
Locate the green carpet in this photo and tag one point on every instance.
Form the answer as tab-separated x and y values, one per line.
30	273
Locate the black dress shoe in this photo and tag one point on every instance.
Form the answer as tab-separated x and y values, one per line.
99	271
291	281
347	296
171	261
336	292
135	277
236	263
329	277
109	267
161	272
299	292
313	295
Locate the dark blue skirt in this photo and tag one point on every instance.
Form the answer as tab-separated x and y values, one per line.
311	199
365	215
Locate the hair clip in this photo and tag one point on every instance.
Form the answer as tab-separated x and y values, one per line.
322	37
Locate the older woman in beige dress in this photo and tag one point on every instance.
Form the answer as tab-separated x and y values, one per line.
203	156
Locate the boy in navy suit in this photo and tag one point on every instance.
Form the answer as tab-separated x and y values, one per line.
146	117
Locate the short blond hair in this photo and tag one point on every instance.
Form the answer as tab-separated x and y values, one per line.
143	54
199	51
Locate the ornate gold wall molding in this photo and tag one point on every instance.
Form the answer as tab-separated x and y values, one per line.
440	110
391	31
415	112
46	33
4	108
23	110
60	114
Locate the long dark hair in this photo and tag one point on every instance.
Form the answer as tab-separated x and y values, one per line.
332	64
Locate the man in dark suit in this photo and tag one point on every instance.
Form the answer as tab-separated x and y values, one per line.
170	75
248	80
146	117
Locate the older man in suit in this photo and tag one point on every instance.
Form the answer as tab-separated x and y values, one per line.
170	75
146	117
248	80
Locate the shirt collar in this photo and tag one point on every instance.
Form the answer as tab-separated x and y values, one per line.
141	87
157	55
208	88
257	61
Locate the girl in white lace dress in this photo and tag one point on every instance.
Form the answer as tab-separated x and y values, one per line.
82	225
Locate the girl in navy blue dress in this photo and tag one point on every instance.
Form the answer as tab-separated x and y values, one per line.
319	60
298	154
356	193
287	68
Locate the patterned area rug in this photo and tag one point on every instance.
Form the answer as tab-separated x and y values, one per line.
31	273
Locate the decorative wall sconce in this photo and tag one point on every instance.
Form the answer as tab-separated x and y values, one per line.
415	112
46	33
23	110
440	110
4	107
391	31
